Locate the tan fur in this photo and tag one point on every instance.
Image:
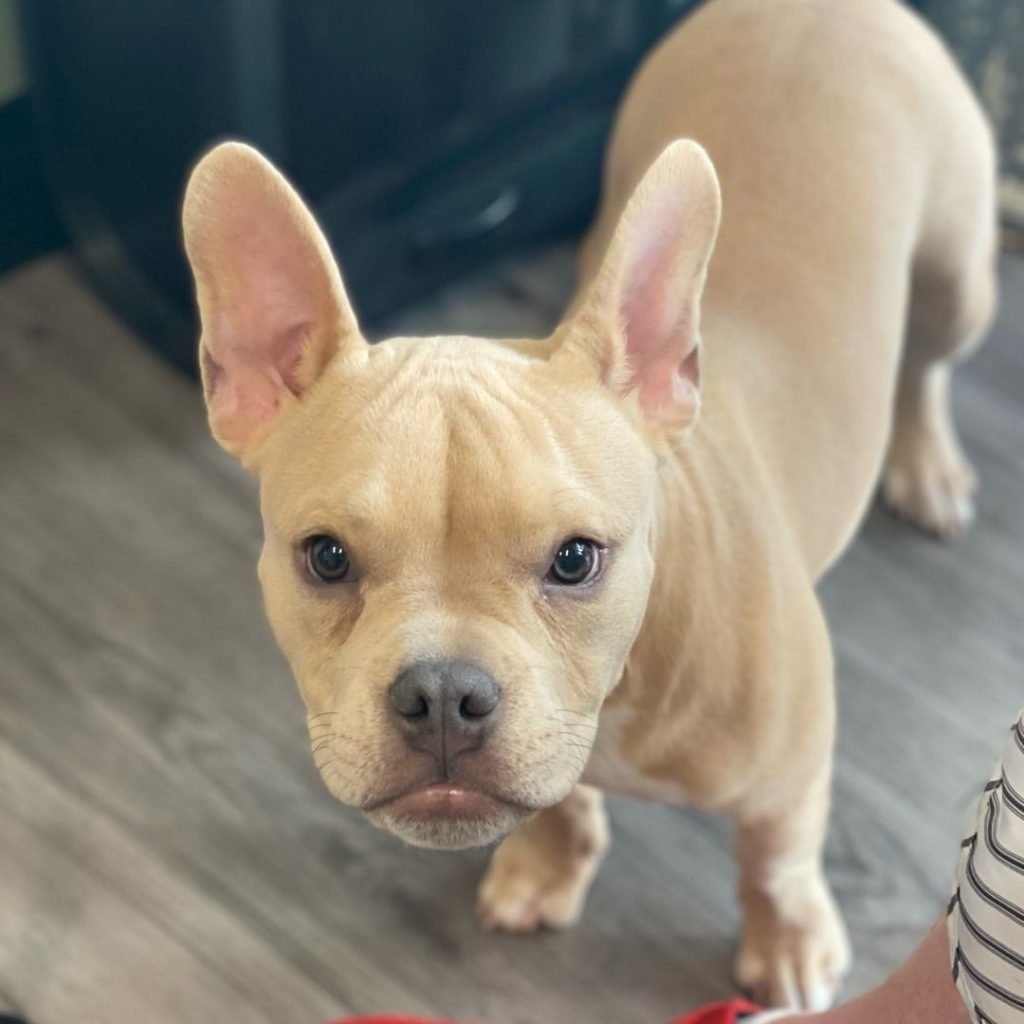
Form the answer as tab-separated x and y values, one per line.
725	463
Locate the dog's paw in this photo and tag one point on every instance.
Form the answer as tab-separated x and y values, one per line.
526	888
794	962
931	486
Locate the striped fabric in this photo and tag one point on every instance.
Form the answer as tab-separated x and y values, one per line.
986	913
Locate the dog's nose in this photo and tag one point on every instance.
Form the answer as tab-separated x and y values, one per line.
445	707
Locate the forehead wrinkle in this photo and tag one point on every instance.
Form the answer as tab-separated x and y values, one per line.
407	420
396	389
511	472
582	485
410	371
525	407
501	406
446	358
384	458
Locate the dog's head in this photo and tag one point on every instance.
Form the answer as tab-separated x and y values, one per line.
457	550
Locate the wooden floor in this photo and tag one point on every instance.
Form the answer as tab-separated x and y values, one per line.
167	852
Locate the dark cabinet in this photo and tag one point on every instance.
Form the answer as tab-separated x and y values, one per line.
429	135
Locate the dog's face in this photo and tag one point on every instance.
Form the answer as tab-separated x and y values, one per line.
441	531
457	549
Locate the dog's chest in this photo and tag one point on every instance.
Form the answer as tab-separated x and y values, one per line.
610	770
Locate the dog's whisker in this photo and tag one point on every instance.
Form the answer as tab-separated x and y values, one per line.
568	734
329	761
330	731
577	727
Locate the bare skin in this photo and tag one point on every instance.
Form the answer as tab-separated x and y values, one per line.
920	992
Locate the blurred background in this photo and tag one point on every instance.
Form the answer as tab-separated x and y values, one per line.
429	137
167	852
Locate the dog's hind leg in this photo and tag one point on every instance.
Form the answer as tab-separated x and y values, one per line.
794	948
539	876
927	478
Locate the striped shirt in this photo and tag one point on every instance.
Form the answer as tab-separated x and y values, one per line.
986	912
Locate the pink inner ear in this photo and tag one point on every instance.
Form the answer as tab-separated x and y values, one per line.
657	309
260	321
275	357
248	392
277	290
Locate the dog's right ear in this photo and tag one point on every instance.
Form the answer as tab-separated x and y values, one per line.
273	308
638	325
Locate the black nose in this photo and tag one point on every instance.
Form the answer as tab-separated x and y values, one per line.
445	707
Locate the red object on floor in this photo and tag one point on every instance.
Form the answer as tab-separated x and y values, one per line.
718	1013
389	1020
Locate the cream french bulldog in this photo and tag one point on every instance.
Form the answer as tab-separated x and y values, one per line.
508	574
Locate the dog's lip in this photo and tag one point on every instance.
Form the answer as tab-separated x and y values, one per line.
443	799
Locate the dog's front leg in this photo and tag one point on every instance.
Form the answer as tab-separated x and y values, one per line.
539	876
794	947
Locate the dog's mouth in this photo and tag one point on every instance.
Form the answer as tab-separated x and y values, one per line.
447	815
441	800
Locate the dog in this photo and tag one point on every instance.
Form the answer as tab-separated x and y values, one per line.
511	574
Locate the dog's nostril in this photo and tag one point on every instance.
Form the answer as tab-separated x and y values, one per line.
419	708
466	709
410	703
412	694
477	704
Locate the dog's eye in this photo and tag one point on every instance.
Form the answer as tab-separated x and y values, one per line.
576	562
327	558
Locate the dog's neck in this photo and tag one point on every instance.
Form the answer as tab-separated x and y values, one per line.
714	580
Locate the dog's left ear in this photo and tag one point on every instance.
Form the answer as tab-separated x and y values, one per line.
638	324
273	308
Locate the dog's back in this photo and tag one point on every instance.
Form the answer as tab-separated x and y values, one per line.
857	180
